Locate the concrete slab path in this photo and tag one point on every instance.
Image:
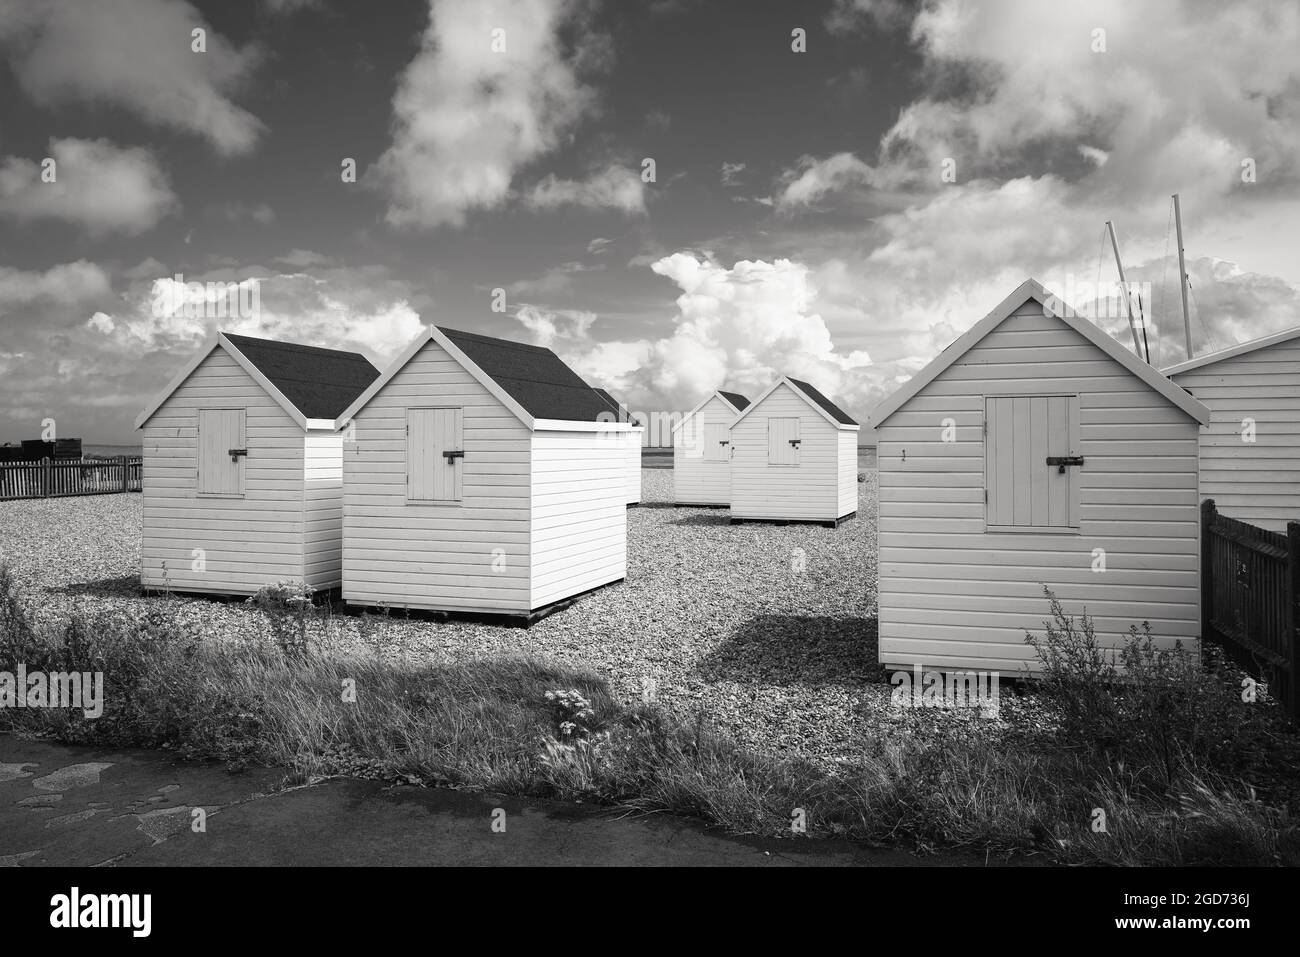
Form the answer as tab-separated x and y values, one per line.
77	806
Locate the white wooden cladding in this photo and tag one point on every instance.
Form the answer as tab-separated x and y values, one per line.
1022	433
696	479
1250	452
431	475
322	510
220	431
782	441
537	516
437	557
817	483
716	439
577	534
956	592
285	525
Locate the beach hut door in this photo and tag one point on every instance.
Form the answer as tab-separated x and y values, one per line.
783	441
1032	461
223	452
716	440
435	455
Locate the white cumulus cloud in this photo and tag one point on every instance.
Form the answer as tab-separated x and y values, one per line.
467	117
97	185
67	284
739	327
337	311
133	54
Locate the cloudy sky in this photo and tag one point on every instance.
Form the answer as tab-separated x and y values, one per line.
674	195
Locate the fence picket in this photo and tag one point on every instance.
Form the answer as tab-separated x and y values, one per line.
66	477
1250	590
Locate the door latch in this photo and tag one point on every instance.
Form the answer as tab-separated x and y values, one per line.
236	453
795	442
1061	461
451	457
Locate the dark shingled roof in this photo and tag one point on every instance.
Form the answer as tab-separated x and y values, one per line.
320	383
736	399
533	376
838	414
616	406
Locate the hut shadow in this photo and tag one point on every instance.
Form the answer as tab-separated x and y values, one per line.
809	651
711	519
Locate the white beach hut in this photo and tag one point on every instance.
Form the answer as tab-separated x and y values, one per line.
242	470
1250	454
702	450
481	476
794	456
1034	451
632	442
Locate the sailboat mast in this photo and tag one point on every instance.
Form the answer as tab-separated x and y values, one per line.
1123	294
1182	276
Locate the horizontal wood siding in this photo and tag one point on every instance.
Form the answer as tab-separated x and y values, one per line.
471	555
247	541
952	594
579	513
808	491
848	472
1256	482
695	480
323	510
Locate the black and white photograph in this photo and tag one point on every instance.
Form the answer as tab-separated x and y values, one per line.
505	434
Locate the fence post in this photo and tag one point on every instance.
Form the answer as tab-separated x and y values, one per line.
1207	579
1291	611
47	477
126	474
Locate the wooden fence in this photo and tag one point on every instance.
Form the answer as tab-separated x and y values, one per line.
49	478
1250	590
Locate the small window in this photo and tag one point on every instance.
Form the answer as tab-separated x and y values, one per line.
783	441
716	441
435	454
223	452
1024	491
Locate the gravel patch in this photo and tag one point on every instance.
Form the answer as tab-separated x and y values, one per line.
768	630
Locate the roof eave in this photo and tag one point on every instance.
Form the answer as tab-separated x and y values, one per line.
432	333
1032	289
814	405
575	425
267	385
187	370
244	363
1232	352
361	401
695	411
